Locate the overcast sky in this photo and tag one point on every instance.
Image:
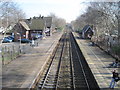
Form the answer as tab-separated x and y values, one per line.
67	9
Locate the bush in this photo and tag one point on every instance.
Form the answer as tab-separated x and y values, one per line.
60	28
116	49
79	31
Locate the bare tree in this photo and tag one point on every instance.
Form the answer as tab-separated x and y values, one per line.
105	17
58	22
102	15
10	12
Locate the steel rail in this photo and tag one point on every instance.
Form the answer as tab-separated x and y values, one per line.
47	73
60	61
80	63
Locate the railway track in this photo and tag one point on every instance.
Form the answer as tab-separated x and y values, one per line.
68	68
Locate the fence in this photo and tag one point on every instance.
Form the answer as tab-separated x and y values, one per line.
111	48
9	53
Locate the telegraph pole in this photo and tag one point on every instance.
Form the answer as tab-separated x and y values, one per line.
119	23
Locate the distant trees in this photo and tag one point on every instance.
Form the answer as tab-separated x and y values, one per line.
105	19
57	22
9	13
103	15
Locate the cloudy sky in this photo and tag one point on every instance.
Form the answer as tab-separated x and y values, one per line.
67	9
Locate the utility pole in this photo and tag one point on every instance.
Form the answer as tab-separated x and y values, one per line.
1	27
119	23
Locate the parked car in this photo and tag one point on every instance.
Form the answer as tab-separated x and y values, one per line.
24	40
6	40
10	38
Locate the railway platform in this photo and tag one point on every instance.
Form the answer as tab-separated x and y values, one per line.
24	70
98	61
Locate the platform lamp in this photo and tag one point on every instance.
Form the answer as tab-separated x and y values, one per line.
20	41
1	28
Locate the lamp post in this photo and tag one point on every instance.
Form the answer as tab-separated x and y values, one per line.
19	37
20	41
1	27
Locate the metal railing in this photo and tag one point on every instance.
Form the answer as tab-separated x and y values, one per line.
10	52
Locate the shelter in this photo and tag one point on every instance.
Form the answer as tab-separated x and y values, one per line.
87	32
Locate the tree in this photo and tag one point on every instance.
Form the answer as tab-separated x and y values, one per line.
105	17
57	22
10	12
102	15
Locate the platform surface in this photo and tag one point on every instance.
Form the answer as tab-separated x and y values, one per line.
98	61
22	72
